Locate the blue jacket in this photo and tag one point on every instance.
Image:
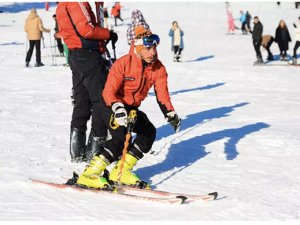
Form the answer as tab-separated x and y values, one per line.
171	34
243	18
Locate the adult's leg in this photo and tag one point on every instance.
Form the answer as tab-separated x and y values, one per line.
30	51
38	51
297	45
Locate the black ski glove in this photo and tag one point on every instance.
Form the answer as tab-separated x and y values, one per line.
174	120
294	25
113	37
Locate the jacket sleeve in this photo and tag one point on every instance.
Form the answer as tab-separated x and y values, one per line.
113	83
171	33
162	92
41	27
80	14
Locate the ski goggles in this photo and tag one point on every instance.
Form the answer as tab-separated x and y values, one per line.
148	41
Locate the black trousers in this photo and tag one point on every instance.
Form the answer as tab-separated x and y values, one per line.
145	136
37	44
118	17
297	45
257	45
89	71
177	50
59	45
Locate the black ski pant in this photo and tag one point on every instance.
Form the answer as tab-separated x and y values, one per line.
37	44
177	50
145	135
59	45
257	45
89	71
118	17
297	45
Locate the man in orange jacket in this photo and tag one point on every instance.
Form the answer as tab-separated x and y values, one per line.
128	83
86	41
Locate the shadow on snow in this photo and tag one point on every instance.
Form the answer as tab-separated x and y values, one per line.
201	58
185	153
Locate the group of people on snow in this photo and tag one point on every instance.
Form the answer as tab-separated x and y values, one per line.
282	38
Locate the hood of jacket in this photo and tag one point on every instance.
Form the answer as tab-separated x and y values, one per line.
137	16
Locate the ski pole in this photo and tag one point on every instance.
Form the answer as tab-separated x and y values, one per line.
51	49
55	55
114	50
43	41
130	125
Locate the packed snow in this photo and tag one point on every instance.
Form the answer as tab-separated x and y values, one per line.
239	134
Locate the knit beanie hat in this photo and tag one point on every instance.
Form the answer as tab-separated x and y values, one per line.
140	32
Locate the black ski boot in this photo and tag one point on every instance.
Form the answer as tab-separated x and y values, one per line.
94	146
77	144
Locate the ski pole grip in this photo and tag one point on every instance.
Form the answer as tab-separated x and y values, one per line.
131	120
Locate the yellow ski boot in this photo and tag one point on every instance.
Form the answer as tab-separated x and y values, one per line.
127	176
91	177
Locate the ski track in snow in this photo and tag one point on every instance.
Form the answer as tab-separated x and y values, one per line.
239	135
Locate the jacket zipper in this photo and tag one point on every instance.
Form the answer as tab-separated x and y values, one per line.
140	86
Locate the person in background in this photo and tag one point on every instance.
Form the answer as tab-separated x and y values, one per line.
58	39
176	34
137	19
243	21
248	21
297	38
106	16
282	37
257	39
116	12
267	41
34	29
230	20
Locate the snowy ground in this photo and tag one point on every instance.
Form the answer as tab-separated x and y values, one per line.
240	127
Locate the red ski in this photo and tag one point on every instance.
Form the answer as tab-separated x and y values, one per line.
138	194
116	193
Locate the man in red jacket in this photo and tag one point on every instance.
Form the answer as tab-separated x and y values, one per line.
86	41
128	83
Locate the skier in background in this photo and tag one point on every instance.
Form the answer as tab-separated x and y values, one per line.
137	19
282	37
297	43
86	41
120	96
257	39
34	28
116	12
230	20
176	34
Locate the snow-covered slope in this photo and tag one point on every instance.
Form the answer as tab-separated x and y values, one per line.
240	124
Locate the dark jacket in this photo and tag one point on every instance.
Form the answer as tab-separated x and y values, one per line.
257	32
282	37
